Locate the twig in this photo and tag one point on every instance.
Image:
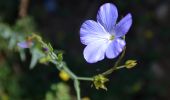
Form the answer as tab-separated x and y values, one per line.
23	8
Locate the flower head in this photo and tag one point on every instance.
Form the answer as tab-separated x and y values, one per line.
104	37
25	44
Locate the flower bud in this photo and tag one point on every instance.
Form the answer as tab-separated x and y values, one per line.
64	76
130	64
99	82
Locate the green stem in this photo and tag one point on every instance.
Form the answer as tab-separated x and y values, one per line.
120	67
116	64
61	66
71	74
77	88
85	78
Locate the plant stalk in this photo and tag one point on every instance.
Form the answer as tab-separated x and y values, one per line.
116	64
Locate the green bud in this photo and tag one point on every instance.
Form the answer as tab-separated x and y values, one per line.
60	56
130	64
50	47
45	59
99	82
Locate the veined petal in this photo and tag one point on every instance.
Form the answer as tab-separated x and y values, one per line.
115	48
95	51
91	31
107	16
123	26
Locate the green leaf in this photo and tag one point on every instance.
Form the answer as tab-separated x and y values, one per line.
60	56
49	96
5	31
12	41
50	47
22	55
36	55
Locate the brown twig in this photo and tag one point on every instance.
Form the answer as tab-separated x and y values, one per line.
23	8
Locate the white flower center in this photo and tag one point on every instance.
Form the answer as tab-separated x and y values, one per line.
111	37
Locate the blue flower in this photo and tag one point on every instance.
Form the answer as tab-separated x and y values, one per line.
25	44
104	37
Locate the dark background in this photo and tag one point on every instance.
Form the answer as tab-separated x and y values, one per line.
59	22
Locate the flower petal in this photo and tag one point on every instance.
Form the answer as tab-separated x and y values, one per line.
25	44
95	51
123	26
91	31
115	48
107	16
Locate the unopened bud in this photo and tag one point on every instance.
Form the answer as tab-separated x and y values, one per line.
130	64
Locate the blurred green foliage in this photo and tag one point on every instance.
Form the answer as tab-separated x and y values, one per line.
59	91
9	73
10	79
9	83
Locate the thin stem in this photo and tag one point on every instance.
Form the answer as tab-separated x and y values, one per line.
71	74
77	88
120	67
63	67
116	64
120	58
85	78
60	65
